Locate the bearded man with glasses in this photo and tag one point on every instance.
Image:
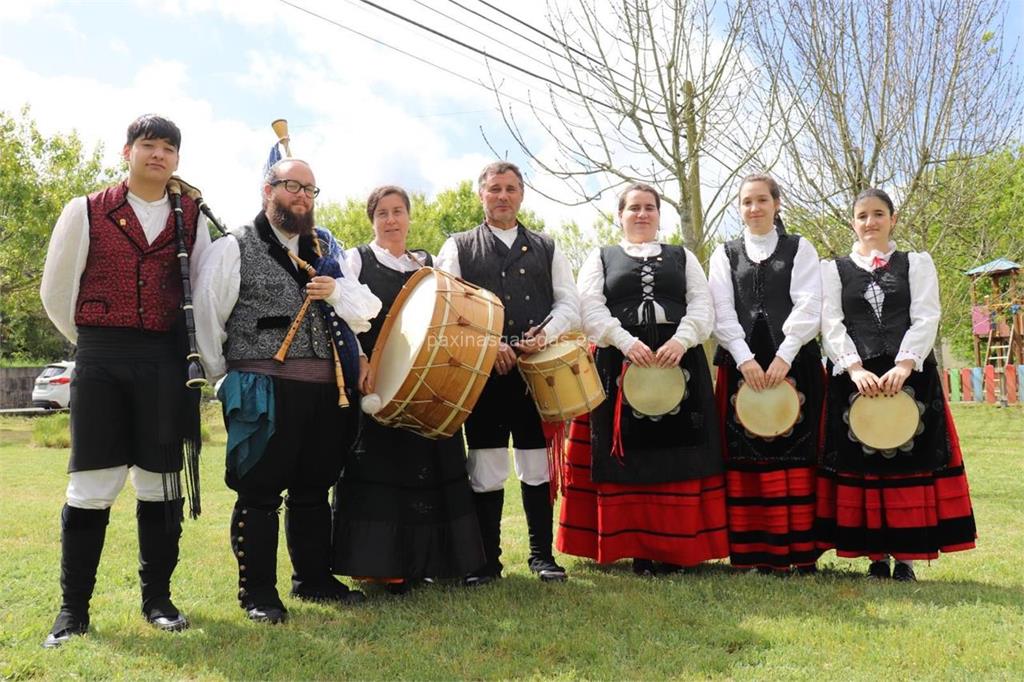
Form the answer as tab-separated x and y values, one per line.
286	430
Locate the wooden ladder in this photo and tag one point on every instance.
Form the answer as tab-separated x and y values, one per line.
997	355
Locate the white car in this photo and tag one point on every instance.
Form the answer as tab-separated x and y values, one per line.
53	386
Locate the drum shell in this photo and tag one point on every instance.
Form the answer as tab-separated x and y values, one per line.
454	361
565	386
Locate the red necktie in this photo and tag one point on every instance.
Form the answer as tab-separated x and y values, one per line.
877	262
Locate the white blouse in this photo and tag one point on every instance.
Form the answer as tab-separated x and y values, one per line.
403	263
925	311
804	320
604	329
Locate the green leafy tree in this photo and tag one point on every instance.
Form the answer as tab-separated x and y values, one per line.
38	175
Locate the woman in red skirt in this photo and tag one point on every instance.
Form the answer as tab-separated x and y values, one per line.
767	294
880	314
638	487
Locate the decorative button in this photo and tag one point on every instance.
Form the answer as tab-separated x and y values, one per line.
241	524
524	249
241	567
244	512
241	539
241	554
242	579
142	282
511	322
122	222
522	271
503	273
528	298
141	309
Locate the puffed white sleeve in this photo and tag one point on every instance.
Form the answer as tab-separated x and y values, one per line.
804	320
600	326
699	320
448	258
728	332
352	264
353	301
837	343
65	261
213	298
199	248
565	311
925	310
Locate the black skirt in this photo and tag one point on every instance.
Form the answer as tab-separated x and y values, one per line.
676	447
403	508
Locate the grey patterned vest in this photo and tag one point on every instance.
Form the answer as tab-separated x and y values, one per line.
268	299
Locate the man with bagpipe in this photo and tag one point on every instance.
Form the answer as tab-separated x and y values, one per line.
290	377
115	283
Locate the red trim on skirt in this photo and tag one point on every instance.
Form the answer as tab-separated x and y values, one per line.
931	511
680	523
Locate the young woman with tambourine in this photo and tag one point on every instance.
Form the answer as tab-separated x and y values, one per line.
892	480
644	479
770	383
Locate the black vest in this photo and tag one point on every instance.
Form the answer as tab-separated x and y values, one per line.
520	276
873	336
762	289
624	287
385	284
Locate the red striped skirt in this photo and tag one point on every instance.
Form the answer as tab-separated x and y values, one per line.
682	522
913	516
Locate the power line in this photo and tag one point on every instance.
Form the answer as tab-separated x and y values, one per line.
405	53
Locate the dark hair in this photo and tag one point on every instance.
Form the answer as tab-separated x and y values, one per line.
639	187
774	190
872	192
497	168
381	192
153	127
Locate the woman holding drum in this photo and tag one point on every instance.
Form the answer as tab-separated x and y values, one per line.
645	471
892	480
404	508
770	383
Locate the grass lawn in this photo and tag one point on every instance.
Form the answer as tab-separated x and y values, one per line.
963	620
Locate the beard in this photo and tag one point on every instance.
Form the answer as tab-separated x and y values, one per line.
284	219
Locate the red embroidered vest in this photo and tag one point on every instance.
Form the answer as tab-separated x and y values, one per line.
128	282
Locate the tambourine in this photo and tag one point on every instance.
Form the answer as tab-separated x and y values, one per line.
654	391
770	413
885	424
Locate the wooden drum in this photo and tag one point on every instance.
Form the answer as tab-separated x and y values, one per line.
434	354
770	413
563	381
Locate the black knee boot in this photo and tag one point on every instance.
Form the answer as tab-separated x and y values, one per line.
254	543
307	531
488	512
539	516
159	533
81	543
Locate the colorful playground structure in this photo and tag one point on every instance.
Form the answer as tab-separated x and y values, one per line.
998	331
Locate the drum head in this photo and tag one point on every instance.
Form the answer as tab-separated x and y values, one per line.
561	349
653	391
397	348
767	413
885	422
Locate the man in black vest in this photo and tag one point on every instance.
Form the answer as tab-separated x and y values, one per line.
533	279
286	430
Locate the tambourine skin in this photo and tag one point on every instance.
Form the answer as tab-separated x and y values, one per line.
768	413
563	381
653	391
884	422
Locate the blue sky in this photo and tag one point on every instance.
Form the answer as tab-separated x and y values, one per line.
362	114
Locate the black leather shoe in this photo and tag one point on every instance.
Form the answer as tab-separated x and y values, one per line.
879	570
67	625
169	623
267	614
664	568
479	580
807	570
643	567
547	570
903	573
333	592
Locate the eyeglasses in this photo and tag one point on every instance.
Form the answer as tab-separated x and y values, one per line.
293	187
